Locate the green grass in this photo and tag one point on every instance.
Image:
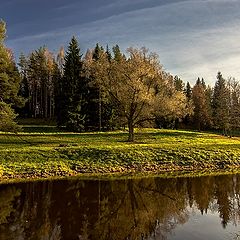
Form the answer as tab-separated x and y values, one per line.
43	153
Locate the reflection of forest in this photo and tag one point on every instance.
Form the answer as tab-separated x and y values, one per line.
122	209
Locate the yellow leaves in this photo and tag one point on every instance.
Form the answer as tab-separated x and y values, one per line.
139	85
2	31
171	105
49	60
5	58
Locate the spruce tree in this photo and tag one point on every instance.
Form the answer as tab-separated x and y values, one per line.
117	54
179	84
203	83
109	55
72	97
97	52
234	113
198	82
188	91
201	118
220	104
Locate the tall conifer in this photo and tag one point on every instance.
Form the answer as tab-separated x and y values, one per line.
220	104
73	85
201	117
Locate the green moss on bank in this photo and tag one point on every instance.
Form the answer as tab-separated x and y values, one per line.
32	155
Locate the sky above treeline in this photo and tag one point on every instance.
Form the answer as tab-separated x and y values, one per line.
192	37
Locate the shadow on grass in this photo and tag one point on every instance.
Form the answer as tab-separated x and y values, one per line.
41	129
169	133
51	135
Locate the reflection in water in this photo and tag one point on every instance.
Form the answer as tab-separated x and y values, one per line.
148	208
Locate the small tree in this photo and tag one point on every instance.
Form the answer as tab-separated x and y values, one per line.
7	119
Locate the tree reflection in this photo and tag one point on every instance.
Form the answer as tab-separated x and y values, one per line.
136	208
147	208
7	197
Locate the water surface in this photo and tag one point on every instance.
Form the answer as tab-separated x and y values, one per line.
147	208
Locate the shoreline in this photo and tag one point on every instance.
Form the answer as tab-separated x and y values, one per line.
155	151
39	165
119	176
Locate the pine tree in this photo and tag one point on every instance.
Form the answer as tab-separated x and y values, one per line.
9	85
208	95
60	60
57	75
9	78
7	118
24	86
37	82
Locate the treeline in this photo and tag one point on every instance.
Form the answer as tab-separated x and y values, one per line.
215	107
106	89
102	90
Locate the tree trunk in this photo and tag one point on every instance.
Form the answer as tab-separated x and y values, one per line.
130	131
50	105
100	110
35	104
46	104
41	105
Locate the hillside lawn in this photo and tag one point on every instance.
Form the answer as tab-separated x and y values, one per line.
42	152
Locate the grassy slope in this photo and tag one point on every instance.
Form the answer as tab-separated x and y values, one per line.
58	154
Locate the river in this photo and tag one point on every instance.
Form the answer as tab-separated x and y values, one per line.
150	208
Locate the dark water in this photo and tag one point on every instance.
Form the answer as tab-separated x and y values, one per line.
149	208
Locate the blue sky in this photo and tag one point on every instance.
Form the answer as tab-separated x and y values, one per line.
192	37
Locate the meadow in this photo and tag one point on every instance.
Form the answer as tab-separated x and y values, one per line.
41	152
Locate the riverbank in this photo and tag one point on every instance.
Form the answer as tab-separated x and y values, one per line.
52	154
